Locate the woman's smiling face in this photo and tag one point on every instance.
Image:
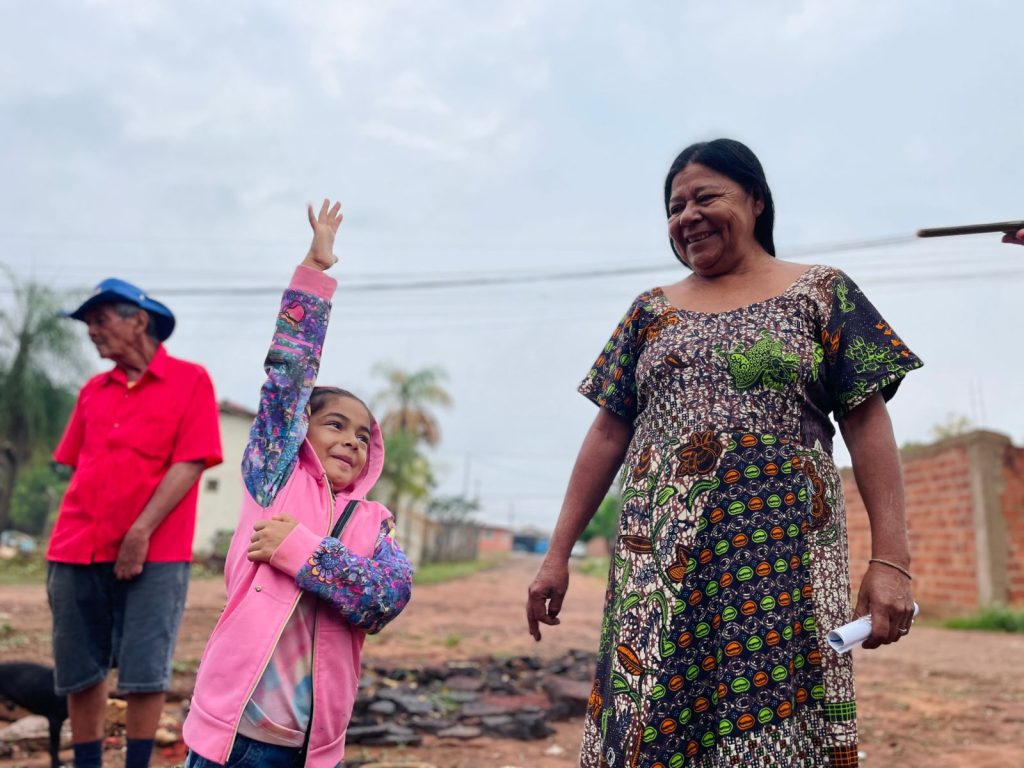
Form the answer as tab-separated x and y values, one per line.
340	435
711	220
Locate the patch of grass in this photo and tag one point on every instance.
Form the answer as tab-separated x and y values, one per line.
452	640
994	618
433	573
185	666
24	569
594	566
13	640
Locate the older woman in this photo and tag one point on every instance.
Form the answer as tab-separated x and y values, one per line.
731	560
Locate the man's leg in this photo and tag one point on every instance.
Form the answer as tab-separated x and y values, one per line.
143	714
146	628
82	624
141	720
88	711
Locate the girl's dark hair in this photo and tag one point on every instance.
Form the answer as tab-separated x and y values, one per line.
735	160
321	395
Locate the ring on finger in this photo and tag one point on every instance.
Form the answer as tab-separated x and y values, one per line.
903	630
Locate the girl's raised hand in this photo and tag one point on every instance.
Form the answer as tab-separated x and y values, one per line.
325	228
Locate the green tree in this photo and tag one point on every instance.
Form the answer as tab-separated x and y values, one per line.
953	425
452	509
408	425
407	398
39	356
407	475
37	494
605	522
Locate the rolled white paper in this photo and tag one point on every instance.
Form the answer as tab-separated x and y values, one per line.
843	638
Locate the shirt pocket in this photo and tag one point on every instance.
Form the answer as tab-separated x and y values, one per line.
152	436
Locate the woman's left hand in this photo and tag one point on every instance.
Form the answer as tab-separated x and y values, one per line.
886	597
268	535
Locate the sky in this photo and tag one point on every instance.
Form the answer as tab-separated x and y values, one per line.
501	168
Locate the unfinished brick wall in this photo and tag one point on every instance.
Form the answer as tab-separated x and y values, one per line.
965	512
1012	503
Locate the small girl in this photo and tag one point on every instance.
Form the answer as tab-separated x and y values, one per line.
312	567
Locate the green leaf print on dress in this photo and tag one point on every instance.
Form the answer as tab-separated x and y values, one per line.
842	292
870	357
763	362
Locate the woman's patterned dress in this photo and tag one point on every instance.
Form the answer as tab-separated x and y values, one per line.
731	561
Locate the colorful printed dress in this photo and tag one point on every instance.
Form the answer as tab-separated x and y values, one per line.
731	560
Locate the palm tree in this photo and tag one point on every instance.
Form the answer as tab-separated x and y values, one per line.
39	356
406	401
408	424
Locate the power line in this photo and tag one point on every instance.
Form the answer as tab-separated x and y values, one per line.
420	284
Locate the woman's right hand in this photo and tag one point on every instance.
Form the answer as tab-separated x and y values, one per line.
325	228
545	595
1014	237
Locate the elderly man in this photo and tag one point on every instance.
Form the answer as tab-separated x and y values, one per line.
138	439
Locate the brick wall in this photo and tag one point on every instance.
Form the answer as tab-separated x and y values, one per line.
1012	503
965	512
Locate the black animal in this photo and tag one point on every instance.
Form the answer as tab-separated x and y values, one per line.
30	686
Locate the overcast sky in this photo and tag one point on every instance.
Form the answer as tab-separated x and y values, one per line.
175	144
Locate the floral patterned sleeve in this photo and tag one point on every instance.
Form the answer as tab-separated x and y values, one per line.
368	592
611	382
291	365
863	355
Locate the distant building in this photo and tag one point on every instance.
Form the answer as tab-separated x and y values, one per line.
220	488
531	540
493	540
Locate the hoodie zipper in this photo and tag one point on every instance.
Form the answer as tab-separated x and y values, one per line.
316	622
277	639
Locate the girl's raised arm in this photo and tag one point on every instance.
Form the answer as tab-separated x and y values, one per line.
292	363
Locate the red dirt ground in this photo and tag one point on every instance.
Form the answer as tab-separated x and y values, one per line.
940	698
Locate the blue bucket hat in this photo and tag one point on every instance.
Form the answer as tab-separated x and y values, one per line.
114	291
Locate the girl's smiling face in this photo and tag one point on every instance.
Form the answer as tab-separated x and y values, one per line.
340	435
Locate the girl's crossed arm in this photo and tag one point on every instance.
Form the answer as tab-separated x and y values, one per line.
367	591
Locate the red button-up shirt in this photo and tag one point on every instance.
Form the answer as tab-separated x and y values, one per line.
121	440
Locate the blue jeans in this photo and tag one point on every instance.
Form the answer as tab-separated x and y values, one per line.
248	753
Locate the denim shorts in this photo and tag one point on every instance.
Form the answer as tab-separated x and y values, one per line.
248	753
101	622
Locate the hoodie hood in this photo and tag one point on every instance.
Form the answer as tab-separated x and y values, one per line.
371	470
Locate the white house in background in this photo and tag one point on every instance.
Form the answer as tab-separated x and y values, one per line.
220	488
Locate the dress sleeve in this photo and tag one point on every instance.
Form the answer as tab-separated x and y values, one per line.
863	355
611	382
367	591
291	365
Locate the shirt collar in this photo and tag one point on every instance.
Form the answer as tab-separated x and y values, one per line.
157	367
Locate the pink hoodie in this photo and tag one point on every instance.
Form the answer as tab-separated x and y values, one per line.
262	596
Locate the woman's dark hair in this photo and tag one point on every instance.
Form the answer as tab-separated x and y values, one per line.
735	160
321	395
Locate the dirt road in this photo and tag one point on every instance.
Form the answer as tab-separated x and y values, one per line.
940	698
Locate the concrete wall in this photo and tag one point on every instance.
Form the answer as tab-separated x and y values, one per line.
965	513
220	488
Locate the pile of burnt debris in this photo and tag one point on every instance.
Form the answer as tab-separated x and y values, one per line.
512	698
